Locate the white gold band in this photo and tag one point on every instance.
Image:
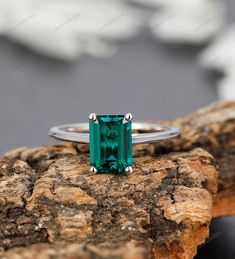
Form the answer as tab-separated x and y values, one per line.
79	132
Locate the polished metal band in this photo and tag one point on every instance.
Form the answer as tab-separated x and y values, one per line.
79	132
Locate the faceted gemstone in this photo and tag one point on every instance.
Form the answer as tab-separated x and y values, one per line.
110	144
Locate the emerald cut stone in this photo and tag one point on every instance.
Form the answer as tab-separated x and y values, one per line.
110	144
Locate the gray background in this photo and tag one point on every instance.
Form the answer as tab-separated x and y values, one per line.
146	78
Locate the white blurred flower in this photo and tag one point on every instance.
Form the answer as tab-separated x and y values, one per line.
220	54
220	57
66	29
226	87
186	21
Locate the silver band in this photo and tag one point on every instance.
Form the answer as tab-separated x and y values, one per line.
79	132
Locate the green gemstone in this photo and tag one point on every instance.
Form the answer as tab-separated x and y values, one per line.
110	144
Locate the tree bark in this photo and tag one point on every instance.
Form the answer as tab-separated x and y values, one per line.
213	129
52	207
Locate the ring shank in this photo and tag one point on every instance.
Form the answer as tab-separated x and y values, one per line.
79	132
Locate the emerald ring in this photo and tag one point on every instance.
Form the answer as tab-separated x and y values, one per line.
111	138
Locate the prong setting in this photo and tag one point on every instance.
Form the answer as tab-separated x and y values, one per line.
93	170
93	117
129	169
128	117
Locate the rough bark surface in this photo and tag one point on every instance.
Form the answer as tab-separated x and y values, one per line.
52	207
213	129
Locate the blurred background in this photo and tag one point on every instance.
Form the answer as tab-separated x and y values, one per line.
47	80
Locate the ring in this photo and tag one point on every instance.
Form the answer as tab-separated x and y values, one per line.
111	138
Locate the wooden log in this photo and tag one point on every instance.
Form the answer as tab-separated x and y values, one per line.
213	129
162	210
